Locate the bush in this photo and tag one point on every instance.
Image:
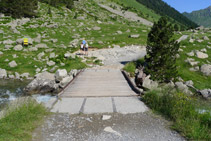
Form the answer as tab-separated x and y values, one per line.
181	109
130	68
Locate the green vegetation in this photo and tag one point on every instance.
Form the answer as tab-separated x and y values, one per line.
21	119
161	52
19	8
183	111
130	68
164	9
138	8
200	81
201	17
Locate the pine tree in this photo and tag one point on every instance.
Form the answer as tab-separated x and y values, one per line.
161	52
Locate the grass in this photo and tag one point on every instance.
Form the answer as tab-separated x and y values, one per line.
21	119
183	111
200	81
131	66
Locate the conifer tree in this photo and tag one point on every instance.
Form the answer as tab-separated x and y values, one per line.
161	52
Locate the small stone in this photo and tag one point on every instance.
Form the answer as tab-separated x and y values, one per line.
1	53
96	28
3	73
206	69
13	64
51	63
201	55
18	47
106	117
134	36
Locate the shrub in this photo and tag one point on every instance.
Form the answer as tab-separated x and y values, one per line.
182	110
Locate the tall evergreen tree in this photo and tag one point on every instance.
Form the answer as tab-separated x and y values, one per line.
161	52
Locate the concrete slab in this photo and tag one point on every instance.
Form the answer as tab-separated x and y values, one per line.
126	105
98	105
68	105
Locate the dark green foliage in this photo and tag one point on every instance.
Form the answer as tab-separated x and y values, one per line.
19	8
176	27
201	17
68	3
163	9
161	52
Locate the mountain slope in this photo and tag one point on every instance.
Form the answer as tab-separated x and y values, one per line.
201	17
164	9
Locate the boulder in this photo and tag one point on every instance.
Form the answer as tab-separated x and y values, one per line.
183	88
73	72
18	48
191	53
1	53
68	55
40	55
96	28
65	81
8	46
52	55
189	83
32	49
11	76
30	41
43	83
41	46
206	93
149	84
17	75
3	73
1	31
13	64
51	63
206	38
25	75
134	36
8	42
19	41
201	55
206	69
60	74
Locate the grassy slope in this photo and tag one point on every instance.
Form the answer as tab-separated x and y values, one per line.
68	27
200	81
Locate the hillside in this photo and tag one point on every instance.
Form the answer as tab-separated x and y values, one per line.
164	9
201	17
60	32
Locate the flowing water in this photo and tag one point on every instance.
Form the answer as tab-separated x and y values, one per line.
12	89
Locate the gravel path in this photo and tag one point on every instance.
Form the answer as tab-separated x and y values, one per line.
130	127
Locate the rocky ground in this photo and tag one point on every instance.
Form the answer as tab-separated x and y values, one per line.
106	127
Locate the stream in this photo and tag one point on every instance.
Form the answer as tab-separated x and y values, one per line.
13	89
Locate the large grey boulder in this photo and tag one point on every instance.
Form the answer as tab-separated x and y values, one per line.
206	69
206	93
41	46
201	55
18	48
43	83
60	74
183	88
3	73
13	64
8	42
149	84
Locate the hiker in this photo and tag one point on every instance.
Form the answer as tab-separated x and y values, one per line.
82	49
86	49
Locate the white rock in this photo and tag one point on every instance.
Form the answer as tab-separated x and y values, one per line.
106	117
1	53
110	130
3	73
51	63
134	36
206	69
25	75
40	55
41	46
52	55
201	55
12	64
32	49
18	47
65	81
60	74
191	53
149	84
96	28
